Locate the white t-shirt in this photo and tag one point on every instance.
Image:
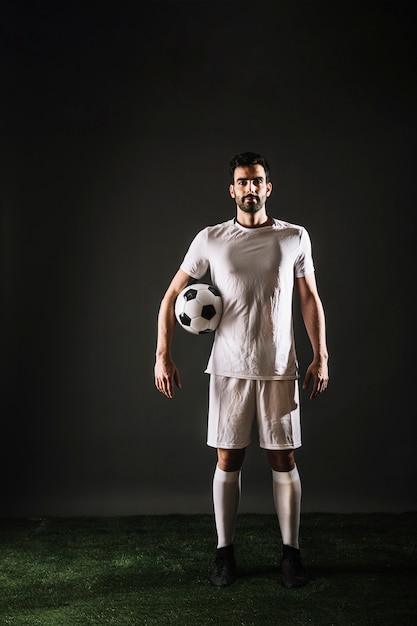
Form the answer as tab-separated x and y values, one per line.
254	270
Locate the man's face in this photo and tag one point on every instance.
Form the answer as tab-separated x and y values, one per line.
250	189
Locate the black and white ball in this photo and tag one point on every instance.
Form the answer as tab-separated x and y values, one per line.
198	308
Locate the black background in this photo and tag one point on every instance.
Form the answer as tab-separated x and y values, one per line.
118	121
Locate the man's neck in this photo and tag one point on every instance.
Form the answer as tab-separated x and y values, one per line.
253	220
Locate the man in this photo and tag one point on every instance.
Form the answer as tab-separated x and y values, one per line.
255	261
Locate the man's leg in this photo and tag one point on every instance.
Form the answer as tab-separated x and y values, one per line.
226	498
287	499
287	494
226	493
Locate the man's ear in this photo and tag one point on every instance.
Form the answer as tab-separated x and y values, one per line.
232	191
268	189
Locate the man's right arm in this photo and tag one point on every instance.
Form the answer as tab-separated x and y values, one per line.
166	373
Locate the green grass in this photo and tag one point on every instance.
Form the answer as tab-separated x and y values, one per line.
152	571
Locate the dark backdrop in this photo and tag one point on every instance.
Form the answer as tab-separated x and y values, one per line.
118	123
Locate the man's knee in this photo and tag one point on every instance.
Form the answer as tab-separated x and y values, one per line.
230	460
281	460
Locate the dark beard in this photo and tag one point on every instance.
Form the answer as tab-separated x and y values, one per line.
252	207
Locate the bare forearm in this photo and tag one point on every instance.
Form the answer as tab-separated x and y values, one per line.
166	373
166	315
315	323
166	326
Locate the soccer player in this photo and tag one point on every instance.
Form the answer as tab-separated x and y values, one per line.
256	261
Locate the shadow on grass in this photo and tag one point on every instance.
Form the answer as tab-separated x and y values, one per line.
98	571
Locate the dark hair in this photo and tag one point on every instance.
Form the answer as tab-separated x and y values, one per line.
247	159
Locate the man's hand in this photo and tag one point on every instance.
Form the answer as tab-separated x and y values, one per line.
166	374
318	371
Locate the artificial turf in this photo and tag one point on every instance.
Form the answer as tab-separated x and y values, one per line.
152	571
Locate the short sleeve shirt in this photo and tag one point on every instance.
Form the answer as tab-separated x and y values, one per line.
254	270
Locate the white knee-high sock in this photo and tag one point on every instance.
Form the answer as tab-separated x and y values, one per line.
226	498
287	499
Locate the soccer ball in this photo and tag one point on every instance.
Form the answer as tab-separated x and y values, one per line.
198	308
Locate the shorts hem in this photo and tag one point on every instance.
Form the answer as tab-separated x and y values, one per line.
266	446
228	446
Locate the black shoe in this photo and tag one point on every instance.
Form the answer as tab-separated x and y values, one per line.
224	567
292	569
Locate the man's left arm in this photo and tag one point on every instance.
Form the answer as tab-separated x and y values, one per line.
315	323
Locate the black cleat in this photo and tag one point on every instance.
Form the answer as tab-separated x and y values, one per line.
292	569
224	567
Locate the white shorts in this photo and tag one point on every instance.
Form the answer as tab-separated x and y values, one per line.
235	403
